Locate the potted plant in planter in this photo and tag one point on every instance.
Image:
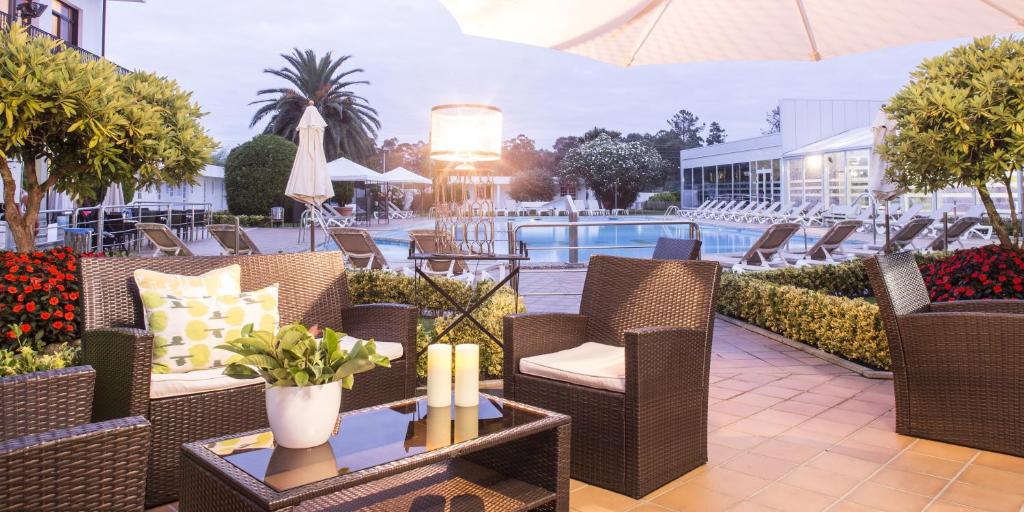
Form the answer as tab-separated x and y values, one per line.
304	376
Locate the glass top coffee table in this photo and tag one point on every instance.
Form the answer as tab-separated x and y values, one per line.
500	455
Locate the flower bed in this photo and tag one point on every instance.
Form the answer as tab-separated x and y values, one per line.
41	291
989	272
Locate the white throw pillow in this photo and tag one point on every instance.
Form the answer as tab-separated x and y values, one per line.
186	330
221	281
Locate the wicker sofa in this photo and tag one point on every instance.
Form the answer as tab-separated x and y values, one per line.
313	290
958	367
654	430
52	458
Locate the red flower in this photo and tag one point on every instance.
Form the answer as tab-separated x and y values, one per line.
69	316
25	328
30	307
58	314
11	335
12	290
69	307
54	301
57	324
45	315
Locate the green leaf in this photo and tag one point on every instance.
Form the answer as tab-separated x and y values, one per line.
301	379
239	371
260	360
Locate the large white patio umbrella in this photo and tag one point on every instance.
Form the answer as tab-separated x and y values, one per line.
879	185
309	182
638	32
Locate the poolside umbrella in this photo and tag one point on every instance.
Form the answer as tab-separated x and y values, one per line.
639	32
309	182
879	185
405	176
114	196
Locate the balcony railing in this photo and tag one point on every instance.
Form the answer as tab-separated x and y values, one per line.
5	24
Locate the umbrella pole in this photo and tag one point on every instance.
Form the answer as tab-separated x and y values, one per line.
312	231
888	249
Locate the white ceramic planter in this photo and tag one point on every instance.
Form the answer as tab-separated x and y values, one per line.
303	417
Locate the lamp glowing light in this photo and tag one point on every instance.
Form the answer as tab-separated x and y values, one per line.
465	132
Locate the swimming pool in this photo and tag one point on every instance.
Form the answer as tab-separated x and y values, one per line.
546	244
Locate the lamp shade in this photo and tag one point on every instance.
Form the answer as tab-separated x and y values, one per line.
465	133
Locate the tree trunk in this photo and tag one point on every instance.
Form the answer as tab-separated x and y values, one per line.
1015	226
22	224
993	215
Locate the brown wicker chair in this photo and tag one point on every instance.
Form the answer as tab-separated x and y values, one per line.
313	290
958	367
52	458
662	312
676	249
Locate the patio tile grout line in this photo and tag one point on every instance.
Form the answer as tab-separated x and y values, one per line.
872	475
952	480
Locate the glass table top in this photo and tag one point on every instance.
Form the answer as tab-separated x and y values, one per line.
367	439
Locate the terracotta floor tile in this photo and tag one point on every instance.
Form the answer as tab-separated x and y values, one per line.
848	417
885	422
733	483
747	506
995	479
833	390
982	498
821	481
722	393
881	437
596	499
718	419
781	417
940	506
778	391
759	427
575	485
844	465
943	450
759	465
792	499
807	409
736	408
793	452
879	454
917	463
649	507
828	426
692	497
887	499
718	453
849	506
735	439
916	483
738	385
1001	461
754	398
811	437
864	406
677	482
819	399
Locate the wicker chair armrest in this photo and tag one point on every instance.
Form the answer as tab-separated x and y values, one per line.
659	360
531	334
123	359
977	340
40	401
96	466
980	306
383	322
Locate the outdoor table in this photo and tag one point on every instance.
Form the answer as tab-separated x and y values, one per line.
498	456
466	312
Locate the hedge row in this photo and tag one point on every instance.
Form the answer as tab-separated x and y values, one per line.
246	221
849	328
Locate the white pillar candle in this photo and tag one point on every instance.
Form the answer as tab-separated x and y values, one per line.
439	375
467	375
467	423
439	427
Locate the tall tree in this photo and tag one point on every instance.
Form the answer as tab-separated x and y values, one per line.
961	123
91	125
351	123
716	134
414	156
774	120
688	127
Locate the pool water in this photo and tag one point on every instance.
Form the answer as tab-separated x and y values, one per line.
546	244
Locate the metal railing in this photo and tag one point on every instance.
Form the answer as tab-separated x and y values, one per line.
574	247
5	23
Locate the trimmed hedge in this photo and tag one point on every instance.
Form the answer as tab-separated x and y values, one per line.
246	221
849	328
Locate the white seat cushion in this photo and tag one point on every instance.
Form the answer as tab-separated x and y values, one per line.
164	385
594	365
389	349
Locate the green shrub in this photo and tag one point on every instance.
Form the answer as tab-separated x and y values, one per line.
32	355
849	328
247	221
669	196
368	287
256	174
849	279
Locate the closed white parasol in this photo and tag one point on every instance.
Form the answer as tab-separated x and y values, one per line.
309	182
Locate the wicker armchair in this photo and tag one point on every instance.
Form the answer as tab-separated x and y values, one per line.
662	312
313	290
52	458
958	367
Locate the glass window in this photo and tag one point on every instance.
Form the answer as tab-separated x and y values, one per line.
710	182
795	170
835	175
813	177
857	173
741	179
725	181
65	21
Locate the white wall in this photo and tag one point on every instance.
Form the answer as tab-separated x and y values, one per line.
90	23
807	121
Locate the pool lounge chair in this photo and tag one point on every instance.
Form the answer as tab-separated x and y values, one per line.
783	213
234	242
954	235
700	210
900	240
165	241
904	218
757	212
676	249
771	212
766	252
829	248
981	230
724	210
808	216
360	251
739	214
685	212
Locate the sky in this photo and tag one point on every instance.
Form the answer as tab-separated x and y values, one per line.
414	57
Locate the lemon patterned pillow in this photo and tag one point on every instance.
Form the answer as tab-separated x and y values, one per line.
186	330
221	281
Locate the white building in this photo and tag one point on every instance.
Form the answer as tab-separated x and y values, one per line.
208	189
821	153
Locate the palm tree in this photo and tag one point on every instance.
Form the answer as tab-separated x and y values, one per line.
351	123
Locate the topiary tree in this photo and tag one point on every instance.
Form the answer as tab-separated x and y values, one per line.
961	123
256	174
532	185
609	167
91	126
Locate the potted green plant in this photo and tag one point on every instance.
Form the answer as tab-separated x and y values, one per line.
304	378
